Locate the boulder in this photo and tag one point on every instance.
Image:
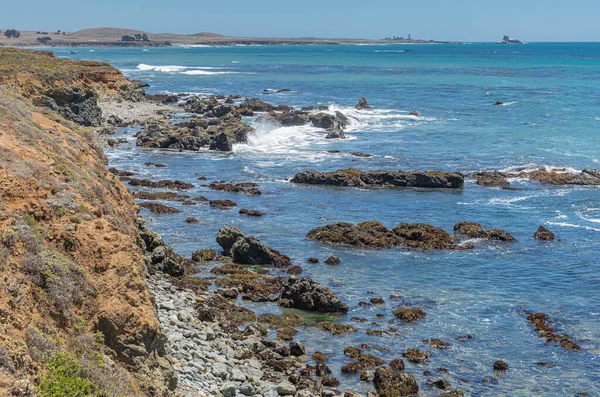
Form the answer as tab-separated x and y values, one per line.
543	234
362	104
204	255
352	177
475	230
391	383
250	250
491	179
307	294
256	105
227	236
500	366
335	132
409	315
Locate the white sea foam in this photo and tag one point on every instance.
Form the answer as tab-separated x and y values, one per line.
189	70
565	224
534	167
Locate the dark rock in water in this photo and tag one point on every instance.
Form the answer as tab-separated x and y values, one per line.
256	105
365	234
437	343
543	234
491	179
307	294
498	103
500	366
375	235
283	90
222	204
330	381
475	230
361	154
426	237
191	219
223	142
204	255
409	315
332	260
313	260
157	208
417	356
440	383
320	358
545	364
160	196
295	270
335	132
250	250
540	323
336	329
162	134
352	177
587	177
333	151
453	393
416	114
397	364
377	301
297	349
362	104
392	383
251	212
227	236
322	120
245	187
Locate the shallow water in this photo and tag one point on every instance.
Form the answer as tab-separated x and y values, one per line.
551	118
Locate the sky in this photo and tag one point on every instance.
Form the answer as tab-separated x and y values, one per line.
460	20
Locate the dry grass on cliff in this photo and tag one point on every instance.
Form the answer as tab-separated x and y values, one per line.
67	232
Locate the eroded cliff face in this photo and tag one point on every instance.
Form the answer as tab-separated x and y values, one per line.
75	308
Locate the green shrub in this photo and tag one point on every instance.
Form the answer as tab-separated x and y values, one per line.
64	378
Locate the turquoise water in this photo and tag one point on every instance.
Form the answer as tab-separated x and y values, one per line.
551	118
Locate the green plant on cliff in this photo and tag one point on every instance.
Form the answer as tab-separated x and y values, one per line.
65	377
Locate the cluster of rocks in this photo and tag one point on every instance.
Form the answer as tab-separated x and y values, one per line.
375	235
219	134
554	176
540	323
353	177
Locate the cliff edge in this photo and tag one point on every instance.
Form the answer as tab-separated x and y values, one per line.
77	317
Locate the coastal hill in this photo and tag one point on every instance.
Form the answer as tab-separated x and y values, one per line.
74	298
113	37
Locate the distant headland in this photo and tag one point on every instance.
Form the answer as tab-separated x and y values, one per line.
135	38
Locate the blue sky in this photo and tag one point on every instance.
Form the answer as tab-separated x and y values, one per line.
464	20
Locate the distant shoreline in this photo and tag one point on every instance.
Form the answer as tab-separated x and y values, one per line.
110	37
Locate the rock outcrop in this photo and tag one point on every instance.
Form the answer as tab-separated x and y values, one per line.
394	383
548	176
352	177
543	234
375	235
249	250
362	104
307	294
193	135
475	230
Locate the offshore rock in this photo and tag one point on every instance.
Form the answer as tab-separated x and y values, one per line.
307	294
352	177
365	235
543	234
475	230
362	104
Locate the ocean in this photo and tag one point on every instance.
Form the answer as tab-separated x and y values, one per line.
550	118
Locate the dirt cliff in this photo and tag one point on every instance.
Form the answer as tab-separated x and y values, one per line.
76	315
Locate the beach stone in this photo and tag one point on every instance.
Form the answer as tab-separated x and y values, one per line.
285	388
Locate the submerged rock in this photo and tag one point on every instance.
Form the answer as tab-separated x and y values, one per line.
307	294
543	234
352	177
540	323
475	230
416	356
409	315
392	383
157	208
491	179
